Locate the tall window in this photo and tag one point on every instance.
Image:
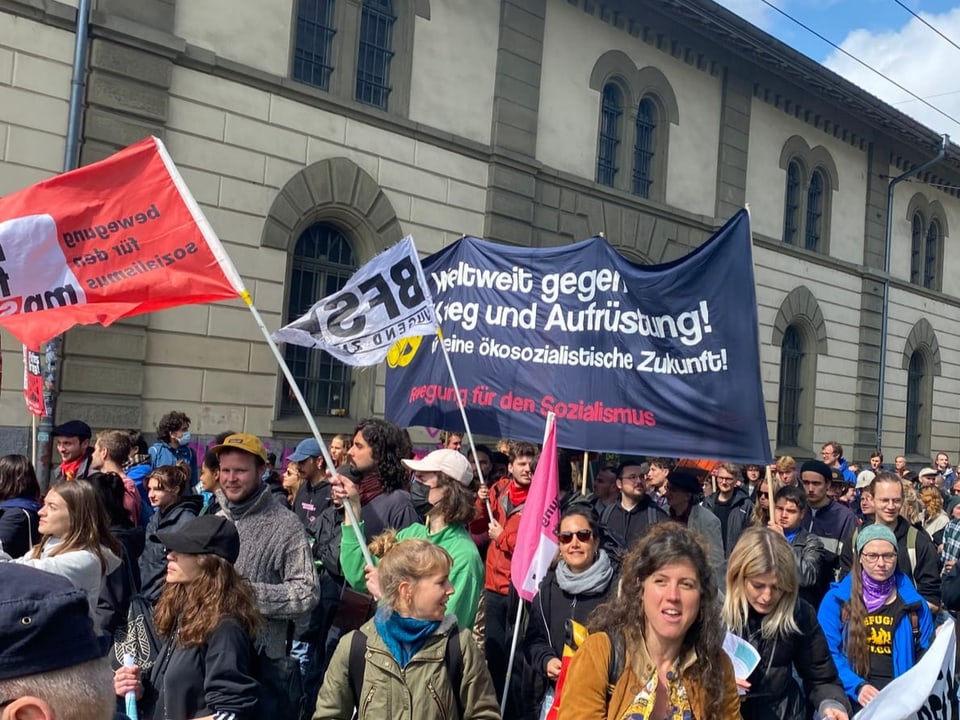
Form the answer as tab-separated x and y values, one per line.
312	48
814	210
611	109
643	149
791	210
926	240
791	361
914	430
323	260
375	53
916	247
930	254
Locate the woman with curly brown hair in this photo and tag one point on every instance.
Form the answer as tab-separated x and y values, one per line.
207	616
661	638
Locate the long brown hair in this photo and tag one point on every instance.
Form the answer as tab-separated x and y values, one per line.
18	478
853	613
458	504
196	608
89	525
665	544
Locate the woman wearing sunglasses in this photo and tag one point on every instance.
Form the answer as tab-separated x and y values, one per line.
876	623
583	579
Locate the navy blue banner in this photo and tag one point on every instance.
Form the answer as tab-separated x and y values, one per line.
650	359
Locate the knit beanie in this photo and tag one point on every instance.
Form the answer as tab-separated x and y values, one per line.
954	501
875	532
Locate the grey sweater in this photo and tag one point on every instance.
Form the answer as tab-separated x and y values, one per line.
275	558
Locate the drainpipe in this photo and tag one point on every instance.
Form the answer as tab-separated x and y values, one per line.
71	159
885	311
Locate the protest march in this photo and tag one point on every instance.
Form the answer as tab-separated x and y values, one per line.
599	529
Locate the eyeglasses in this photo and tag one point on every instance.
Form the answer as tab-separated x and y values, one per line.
873	557
566	537
888	501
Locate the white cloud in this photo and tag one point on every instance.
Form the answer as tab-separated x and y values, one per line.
753	11
916	58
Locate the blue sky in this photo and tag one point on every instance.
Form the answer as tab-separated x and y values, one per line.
886	37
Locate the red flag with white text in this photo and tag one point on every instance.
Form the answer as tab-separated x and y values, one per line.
120	237
537	535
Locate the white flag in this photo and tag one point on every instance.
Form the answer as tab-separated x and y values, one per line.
386	300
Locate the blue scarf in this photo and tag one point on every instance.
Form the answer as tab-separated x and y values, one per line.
403	636
790	535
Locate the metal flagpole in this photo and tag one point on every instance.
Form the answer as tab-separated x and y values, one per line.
463	415
245	294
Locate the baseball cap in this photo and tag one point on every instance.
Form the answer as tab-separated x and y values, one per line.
448	462
308	448
865	478
73	428
45	623
242	441
927	471
205	535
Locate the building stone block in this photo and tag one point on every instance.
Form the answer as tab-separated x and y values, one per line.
201	153
240	388
268	295
109	127
468	197
100	411
237	323
268	139
220	93
152	13
145	67
190	319
444	162
278	172
307	119
319	150
257	263
521	45
520	68
175	349
519	92
126	95
447	218
511	138
258	420
6	66
546	218
98	375
518	17
245	196
28	109
20	33
262	360
192	117
734	157
38	149
114	342
548	194
92	151
42	76
380	142
506	230
510	205
515	181
409	179
204	186
172	383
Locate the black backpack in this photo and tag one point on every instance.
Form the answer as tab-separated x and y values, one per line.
452	661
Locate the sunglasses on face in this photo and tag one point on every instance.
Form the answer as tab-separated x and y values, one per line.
566	537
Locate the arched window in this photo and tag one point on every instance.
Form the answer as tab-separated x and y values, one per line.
814	211
791	387
644	147
611	110
791	210
931	252
916	247
916	372
312	57
323	260
375	52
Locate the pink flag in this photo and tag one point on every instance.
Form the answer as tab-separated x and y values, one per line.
537	535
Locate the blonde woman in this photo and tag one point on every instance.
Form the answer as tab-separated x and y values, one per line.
291	481
761	516
934	518
762	606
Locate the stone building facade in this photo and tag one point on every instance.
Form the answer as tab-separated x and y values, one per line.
315	133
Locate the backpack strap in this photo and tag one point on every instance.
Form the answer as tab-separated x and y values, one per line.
356	664
618	650
453	661
912	549
652	515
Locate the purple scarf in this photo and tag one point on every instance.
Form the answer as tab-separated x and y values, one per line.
876	592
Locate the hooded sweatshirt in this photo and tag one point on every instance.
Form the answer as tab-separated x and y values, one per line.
19	525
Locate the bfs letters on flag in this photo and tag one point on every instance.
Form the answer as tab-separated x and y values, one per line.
386	300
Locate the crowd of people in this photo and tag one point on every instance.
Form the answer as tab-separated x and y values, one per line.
145	579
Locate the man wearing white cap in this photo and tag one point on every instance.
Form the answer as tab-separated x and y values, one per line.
442	488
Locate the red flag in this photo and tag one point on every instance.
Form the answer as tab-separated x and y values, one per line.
537	535
120	237
33	383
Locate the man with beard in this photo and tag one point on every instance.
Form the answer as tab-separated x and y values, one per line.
636	511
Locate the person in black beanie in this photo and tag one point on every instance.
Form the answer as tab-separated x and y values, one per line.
830	521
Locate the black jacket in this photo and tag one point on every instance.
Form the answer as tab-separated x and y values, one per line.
774	692
189	682
814	581
153	561
628	526
549	611
738	519
18	524
123	583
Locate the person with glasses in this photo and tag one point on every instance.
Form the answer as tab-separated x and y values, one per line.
441	488
731	505
876	623
635	512
917	556
832	454
584	577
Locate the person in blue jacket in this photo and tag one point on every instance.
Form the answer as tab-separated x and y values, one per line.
876	623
